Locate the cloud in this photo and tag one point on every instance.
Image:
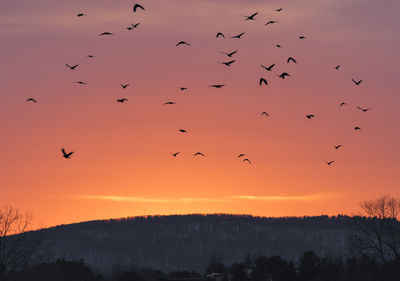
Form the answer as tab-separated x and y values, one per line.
236	198
147	200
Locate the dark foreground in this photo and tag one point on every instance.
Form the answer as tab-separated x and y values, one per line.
309	267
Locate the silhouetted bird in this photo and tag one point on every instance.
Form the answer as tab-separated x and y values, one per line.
124	85
217	85
106	33
182	131
246	160
302	37
337	67
90	56
278	10
169	102
279	46
81	14
309	116
220	34
137	6
65	154
182	88
241	155
263	80
357	82
265	113
135	25
357	128
337	146
251	17
32	100
122	100
228	63
72	67
198	154
330	162
283	75
271	22
182	43
363	109
291	59
129	28
269	68
81	83
343	103
175	154
229	54
239	35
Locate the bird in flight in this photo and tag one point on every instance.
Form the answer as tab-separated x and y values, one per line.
229	54
241	155
309	116
330	162
182	131
228	63
198	154
122	100
357	128
137	6
278	10
263	80
80	83
219	34
169	102
265	113
246	160
343	103
124	85
238	36
271	22
81	15
217	86
90	56
175	154
129	28
182	88
32	100
251	17
357	82
106	33
363	109
302	37
182	43
291	59
135	25
72	67
269	68
65	154
337	146
278	46
337	67
283	75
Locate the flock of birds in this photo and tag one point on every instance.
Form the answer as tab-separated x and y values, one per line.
262	81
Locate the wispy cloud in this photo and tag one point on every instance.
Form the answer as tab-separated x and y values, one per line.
139	199
148	200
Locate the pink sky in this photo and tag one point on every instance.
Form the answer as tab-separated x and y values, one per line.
122	164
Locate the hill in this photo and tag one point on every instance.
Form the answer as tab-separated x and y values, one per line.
188	242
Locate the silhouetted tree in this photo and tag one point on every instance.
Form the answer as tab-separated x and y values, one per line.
16	245
379	234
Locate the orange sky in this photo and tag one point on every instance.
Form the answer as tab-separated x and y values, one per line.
122	164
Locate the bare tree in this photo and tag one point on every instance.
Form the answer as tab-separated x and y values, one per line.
17	246
379	229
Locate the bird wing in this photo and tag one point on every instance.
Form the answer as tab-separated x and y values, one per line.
63	151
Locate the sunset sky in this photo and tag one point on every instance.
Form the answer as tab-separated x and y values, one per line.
122	165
